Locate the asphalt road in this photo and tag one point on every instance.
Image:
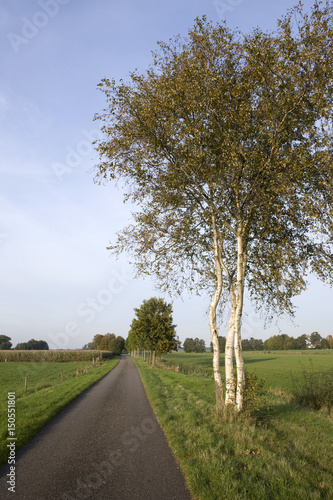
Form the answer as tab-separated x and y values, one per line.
107	444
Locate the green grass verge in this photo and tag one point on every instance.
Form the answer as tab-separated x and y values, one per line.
51	386
286	452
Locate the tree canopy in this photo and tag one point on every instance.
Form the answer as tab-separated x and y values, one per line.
5	342
225	144
33	345
152	327
194	345
252	344
107	342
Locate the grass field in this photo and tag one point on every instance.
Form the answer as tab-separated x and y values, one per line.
51	386
285	452
275	367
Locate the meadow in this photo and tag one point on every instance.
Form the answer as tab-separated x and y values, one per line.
281	451
50	387
276	367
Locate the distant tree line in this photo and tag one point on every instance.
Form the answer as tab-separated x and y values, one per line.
252	344
107	342
194	345
31	345
282	342
247	345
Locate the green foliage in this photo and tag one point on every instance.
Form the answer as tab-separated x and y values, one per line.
153	327
107	342
317	342
278	343
5	342
252	344
33	345
253	392
131	342
254	397
324	344
228	125
118	345
315	338
313	388
97	340
194	345
285	342
89	346
300	343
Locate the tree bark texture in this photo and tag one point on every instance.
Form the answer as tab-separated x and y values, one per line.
212	321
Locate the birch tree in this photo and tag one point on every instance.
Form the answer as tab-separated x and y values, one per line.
225	145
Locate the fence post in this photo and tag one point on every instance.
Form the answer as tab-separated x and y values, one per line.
25	384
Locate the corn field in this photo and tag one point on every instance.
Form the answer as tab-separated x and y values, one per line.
53	356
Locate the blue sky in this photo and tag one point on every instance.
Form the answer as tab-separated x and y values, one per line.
58	281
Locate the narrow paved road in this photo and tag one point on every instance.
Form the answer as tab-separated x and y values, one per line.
107	444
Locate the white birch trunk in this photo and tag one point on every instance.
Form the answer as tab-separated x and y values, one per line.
229	354
216	352
212	322
241	266
240	372
235	390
